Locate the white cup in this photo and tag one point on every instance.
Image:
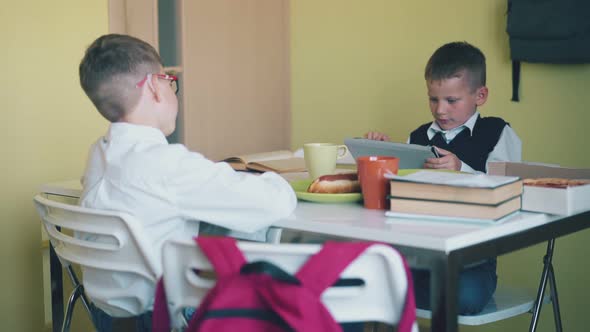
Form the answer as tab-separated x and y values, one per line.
320	158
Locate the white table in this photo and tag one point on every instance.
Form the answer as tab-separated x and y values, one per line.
442	247
354	221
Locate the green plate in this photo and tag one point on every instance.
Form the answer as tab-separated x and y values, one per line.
300	187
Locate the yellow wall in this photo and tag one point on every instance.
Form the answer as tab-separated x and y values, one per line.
358	65
46	128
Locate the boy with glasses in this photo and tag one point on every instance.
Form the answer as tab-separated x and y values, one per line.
133	169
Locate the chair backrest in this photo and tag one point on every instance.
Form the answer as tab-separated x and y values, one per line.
107	245
381	298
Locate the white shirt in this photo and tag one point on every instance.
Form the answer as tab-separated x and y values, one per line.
133	169
508	148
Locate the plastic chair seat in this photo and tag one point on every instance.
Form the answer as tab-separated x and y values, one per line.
507	302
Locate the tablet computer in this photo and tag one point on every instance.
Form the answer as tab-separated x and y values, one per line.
410	155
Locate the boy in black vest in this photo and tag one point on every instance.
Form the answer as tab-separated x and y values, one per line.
455	78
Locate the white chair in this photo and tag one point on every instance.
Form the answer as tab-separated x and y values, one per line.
380	299
120	247
273	235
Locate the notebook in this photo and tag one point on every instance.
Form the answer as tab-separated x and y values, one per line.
410	155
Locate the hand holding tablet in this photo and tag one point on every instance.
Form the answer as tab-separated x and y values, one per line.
410	155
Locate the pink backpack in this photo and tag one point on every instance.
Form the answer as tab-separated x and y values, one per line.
259	296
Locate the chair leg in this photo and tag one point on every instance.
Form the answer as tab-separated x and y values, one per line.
82	295
85	301
70	308
273	235
547	274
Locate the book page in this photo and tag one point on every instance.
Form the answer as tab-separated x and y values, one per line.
235	161
455	179
423	217
279	165
263	156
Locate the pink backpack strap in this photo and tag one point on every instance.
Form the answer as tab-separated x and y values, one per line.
160	316
323	269
408	317
223	253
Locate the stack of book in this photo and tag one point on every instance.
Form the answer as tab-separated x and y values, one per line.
454	195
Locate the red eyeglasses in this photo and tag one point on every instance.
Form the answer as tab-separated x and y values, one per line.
173	80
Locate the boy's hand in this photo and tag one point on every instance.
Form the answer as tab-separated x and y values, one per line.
448	160
377	136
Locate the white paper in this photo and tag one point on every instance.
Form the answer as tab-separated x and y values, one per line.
428	217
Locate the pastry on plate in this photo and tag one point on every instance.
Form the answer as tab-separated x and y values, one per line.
335	184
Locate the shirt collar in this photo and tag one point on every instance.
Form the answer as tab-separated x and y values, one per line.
470	124
123	130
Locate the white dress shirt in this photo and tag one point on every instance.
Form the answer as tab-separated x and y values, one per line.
508	148
133	169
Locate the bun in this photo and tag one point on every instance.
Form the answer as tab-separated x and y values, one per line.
555	182
335	184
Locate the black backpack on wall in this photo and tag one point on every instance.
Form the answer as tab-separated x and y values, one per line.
547	31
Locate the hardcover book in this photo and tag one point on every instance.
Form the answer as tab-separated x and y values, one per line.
281	161
455	209
456	187
456	195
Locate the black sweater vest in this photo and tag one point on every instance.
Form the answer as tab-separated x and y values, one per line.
471	149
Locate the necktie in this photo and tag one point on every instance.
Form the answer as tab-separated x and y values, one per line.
438	140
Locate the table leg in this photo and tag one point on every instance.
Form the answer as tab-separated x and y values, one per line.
57	291
548	275
443	294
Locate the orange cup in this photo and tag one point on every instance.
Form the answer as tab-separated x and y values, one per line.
374	185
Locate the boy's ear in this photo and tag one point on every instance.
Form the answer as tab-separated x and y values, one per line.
154	88
481	96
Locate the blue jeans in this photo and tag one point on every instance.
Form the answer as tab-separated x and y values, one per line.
477	285
104	322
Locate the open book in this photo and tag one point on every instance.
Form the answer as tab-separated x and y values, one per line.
281	161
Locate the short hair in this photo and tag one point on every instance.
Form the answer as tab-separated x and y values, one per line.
451	59
110	70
